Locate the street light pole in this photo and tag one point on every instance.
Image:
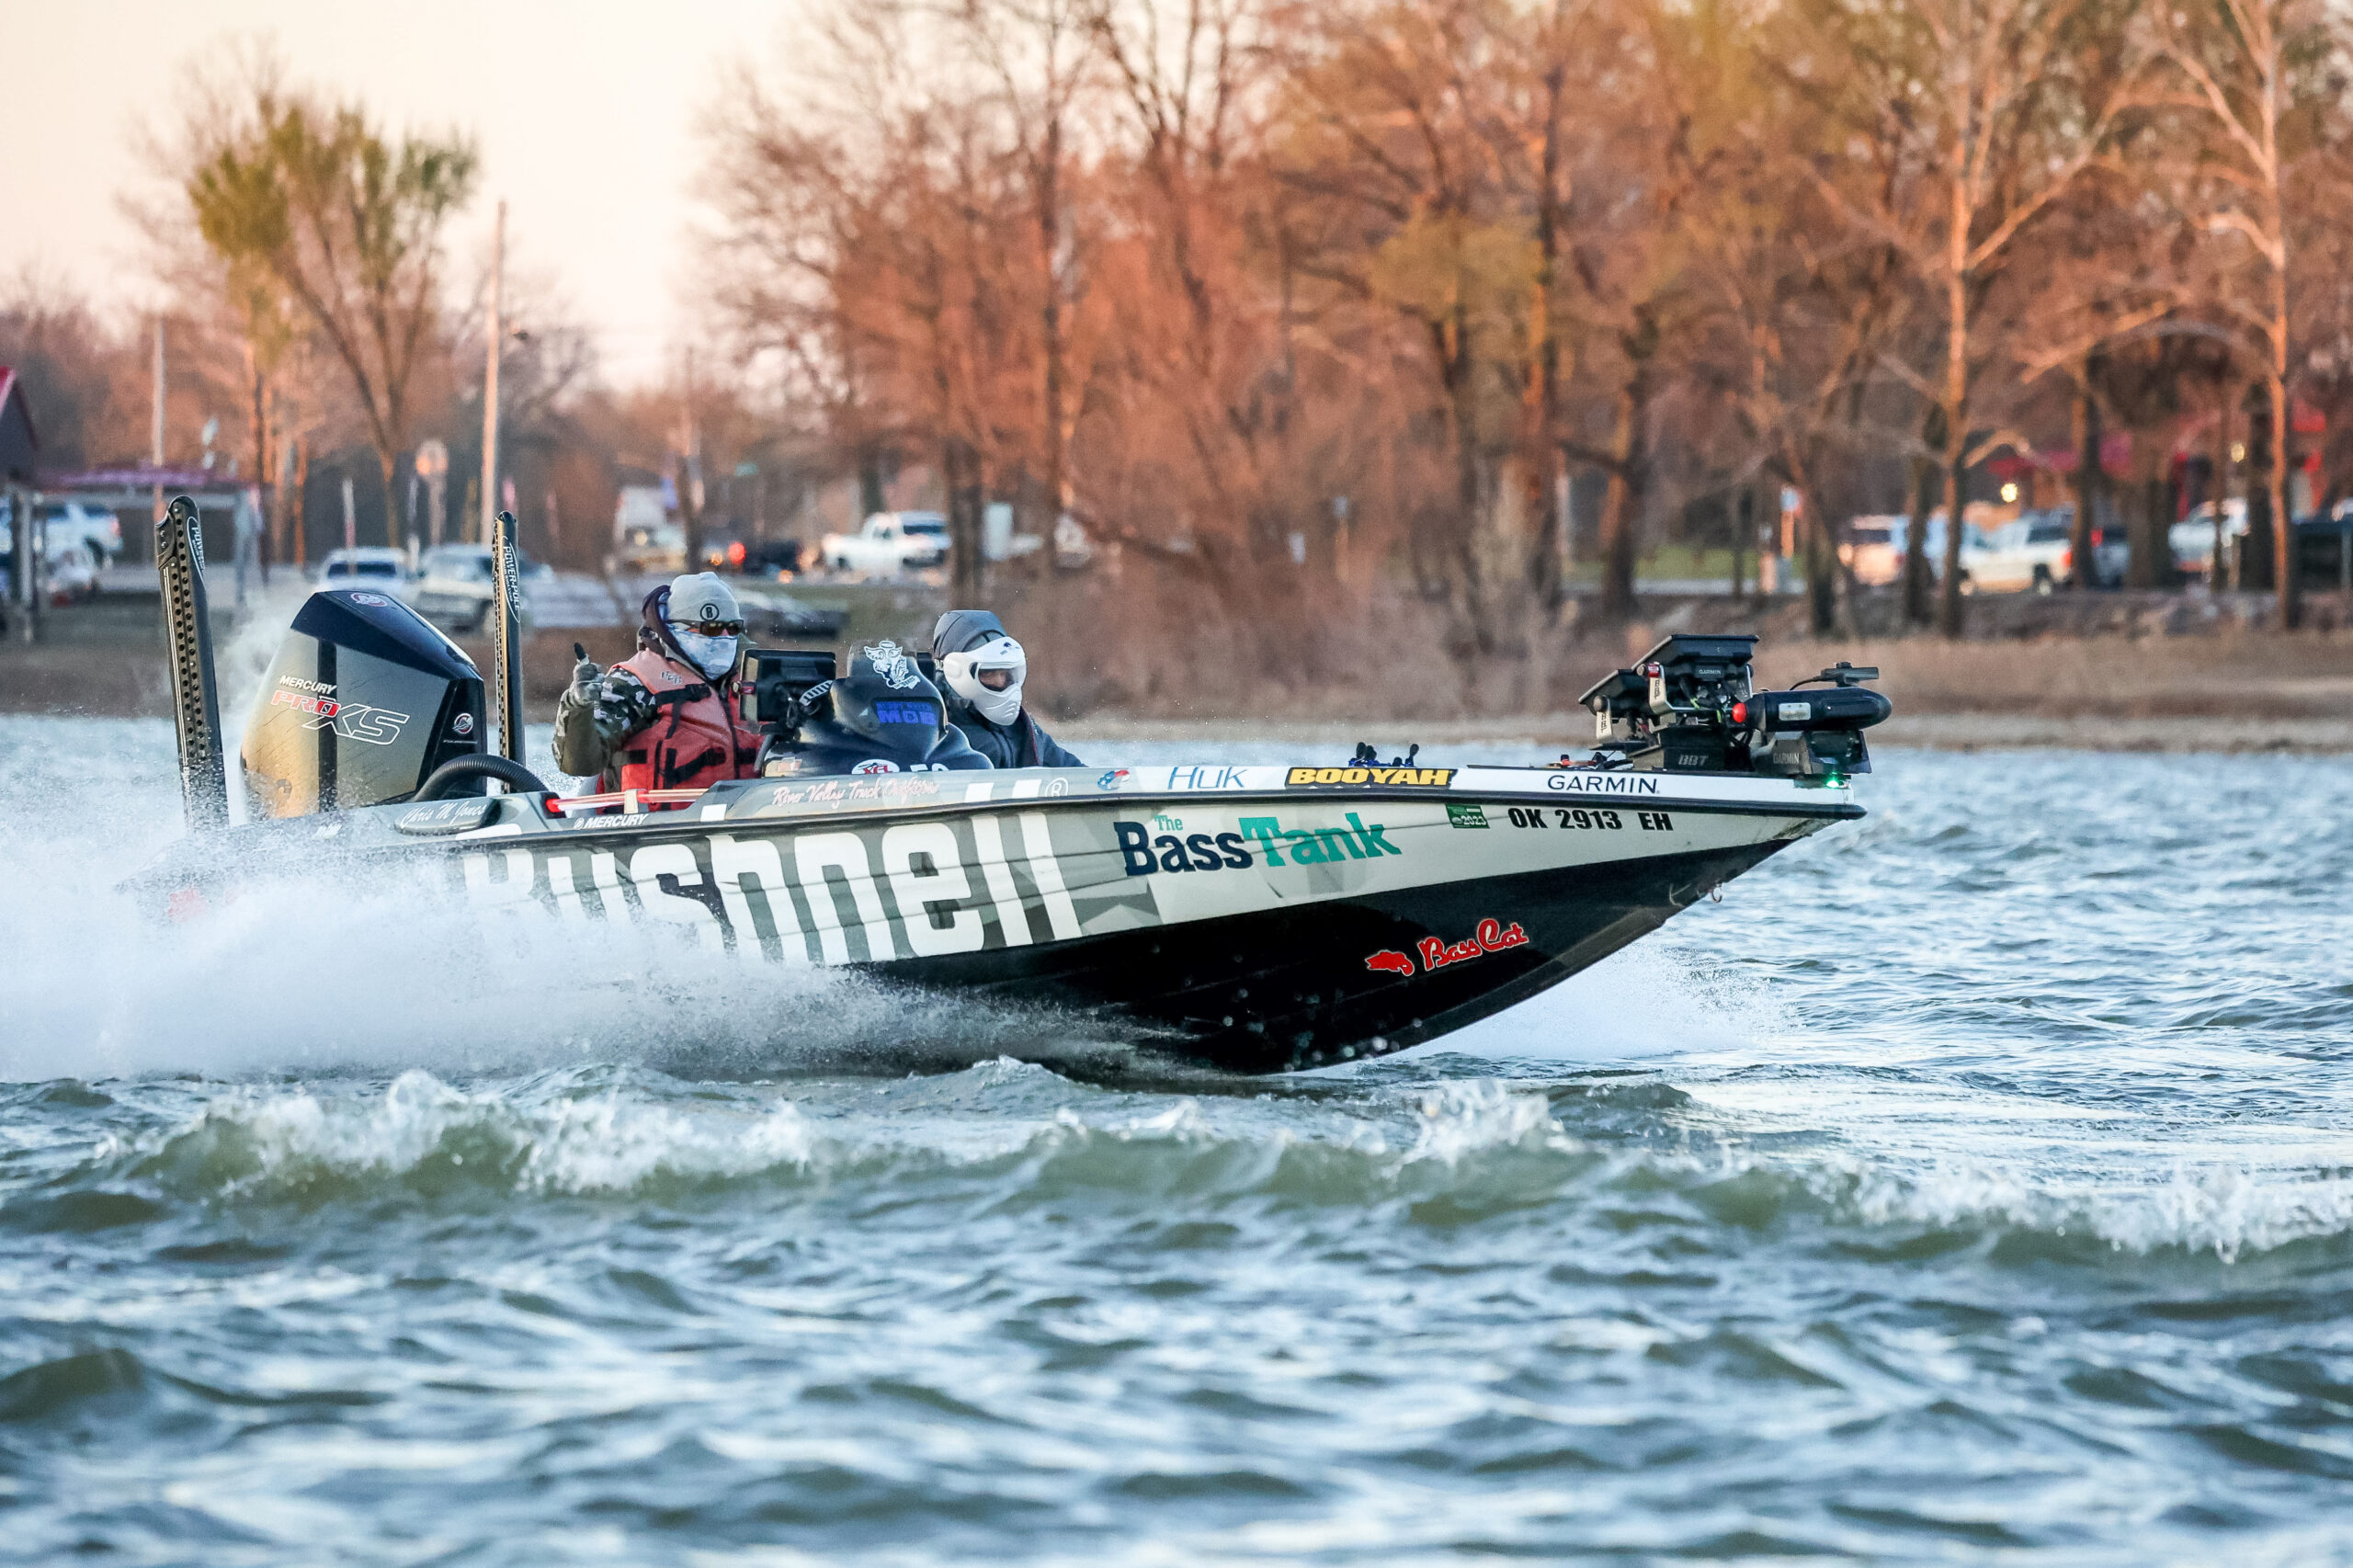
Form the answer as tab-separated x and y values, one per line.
490	381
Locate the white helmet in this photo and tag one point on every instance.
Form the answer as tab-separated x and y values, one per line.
999	702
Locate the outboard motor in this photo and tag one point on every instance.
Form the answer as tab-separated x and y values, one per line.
1689	706
365	699
882	716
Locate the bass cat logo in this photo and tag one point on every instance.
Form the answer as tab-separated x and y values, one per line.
1489	936
897	670
351	721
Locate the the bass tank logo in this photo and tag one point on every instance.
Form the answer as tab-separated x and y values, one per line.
1142	852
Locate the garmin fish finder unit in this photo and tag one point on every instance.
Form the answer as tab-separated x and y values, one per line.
1250	918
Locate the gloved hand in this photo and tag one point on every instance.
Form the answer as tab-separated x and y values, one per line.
584	674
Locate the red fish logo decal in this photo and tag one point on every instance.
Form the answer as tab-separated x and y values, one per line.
1395	963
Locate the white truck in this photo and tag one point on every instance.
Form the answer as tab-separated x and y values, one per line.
890	542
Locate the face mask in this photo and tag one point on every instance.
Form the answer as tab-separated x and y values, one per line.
962	671
715	656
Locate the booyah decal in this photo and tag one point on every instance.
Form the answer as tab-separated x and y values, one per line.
1143	852
1490	937
1412	777
352	721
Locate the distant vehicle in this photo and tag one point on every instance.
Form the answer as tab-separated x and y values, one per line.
1876	546
2192	539
890	542
650	549
769	615
2033	552
2325	547
70	522
1074	551
70	572
373	565
2111	545
774	557
455	584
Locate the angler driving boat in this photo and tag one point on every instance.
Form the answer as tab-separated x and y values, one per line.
1253	918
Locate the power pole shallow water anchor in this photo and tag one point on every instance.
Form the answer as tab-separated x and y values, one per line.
188	627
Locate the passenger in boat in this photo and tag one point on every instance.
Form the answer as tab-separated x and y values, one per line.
983	668
664	718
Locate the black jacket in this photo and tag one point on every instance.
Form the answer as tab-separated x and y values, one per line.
1022	744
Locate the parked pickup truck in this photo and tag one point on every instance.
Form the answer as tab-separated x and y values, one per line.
890	542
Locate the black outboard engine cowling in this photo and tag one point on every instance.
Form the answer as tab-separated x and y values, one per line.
365	699
882	716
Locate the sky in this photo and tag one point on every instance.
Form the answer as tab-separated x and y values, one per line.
583	113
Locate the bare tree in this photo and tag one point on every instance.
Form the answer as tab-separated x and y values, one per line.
314	202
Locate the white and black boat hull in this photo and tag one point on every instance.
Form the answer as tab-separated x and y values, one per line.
1255	919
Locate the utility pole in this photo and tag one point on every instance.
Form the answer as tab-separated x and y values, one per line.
155	446
690	472
490	380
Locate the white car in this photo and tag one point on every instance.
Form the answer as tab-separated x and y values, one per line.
369	565
70	522
2192	539
69	572
2033	552
889	543
1875	548
455	584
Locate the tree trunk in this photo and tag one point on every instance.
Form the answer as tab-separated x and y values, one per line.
1622	507
2256	548
1927	486
387	464
2283	525
1821	570
301	501
2218	487
1744	529
2089	436
2142	530
1948	620
959	471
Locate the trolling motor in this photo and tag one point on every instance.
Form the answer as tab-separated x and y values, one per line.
1690	705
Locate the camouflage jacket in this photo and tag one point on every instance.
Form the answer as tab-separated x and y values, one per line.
587	733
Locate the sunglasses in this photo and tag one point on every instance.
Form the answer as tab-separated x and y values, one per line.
715	628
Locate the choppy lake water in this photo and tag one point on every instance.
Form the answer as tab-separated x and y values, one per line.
1974	1184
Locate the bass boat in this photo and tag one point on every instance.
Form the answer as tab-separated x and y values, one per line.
1251	918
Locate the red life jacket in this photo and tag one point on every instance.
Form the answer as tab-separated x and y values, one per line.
695	739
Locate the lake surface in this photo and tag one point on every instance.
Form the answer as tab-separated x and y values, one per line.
1973	1184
